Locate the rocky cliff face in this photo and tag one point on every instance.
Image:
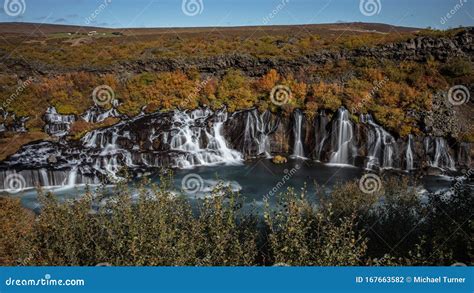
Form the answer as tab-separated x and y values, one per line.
418	49
203	137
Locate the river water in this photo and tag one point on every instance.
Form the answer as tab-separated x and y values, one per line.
255	181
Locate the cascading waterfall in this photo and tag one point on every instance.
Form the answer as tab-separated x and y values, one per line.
257	132
409	154
111	156
298	151
381	146
187	138
196	138
217	141
342	139
44	178
56	124
438	151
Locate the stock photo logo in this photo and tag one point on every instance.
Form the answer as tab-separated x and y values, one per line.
92	17
192	7
192	184
14	183
450	14
14	7
459	95
280	95
370	183
370	7
103	95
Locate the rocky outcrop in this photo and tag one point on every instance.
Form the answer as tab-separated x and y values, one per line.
11	123
416	49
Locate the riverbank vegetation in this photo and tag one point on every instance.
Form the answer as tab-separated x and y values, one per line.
393	226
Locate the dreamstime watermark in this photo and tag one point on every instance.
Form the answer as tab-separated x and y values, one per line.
452	12
370	7
196	92
288	175
275	11
14	183
458	95
280	95
377	86
21	88
14	7
459	184
192	7
96	12
192	183
45	281
103	95
370	183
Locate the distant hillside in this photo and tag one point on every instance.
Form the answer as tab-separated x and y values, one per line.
38	29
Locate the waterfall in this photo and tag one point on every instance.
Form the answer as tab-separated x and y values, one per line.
33	178
258	129
217	141
438	153
342	139
298	151
197	145
56	124
198	138
103	150
381	145
409	154
44	177
72	178
97	114
320	134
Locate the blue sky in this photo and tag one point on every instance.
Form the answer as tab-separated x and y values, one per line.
169	13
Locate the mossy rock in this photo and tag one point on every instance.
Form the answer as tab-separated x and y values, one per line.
279	160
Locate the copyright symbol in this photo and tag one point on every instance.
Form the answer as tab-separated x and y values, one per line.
408	280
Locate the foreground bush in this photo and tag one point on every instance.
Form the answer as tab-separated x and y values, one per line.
16	232
157	227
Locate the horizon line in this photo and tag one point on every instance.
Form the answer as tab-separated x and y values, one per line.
222	26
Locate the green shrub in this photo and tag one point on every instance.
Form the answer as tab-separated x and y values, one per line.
150	225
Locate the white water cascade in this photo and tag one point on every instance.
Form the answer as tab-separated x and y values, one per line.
381	145
257	132
56	124
438	151
409	154
110	156
298	151
198	145
342	139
